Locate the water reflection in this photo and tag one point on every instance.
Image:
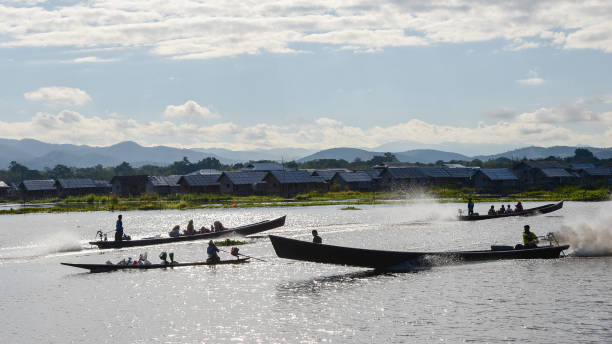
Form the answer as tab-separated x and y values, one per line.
316	285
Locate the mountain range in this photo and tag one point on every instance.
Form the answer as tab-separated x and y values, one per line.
39	155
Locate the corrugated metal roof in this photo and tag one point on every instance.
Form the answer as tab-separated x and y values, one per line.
206	171
296	177
460	172
242	178
374	173
406	173
581	166
354	177
499	173
83	183
201	179
435	172
556	172
543	164
263	166
326	174
164	180
135	179
39	185
102	183
599	171
4	185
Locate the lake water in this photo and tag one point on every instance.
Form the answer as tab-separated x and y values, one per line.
564	300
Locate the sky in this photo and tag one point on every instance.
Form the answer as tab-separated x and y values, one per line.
481	76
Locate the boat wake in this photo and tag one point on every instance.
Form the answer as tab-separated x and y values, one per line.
58	243
588	240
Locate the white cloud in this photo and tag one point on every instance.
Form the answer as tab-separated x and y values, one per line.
91	59
189	111
190	29
532	80
60	95
543	126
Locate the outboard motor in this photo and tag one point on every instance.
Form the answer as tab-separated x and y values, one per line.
163	256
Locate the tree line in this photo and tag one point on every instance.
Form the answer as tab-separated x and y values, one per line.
17	172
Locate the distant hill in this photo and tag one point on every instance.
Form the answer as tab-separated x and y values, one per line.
428	156
544	152
277	154
348	154
39	155
416	155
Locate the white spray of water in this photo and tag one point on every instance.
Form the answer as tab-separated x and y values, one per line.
588	240
60	242
55	243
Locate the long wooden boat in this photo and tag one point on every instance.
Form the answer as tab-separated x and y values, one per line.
397	260
544	209
112	267
242	230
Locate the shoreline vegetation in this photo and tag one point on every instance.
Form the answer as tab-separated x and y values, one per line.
345	198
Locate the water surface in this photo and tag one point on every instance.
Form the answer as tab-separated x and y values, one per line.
534	301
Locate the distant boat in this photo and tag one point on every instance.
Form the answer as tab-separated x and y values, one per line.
544	209
397	260
242	230
113	267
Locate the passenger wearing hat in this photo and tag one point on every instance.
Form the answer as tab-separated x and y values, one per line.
530	240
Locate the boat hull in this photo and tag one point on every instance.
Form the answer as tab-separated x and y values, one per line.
544	209
387	260
109	267
242	230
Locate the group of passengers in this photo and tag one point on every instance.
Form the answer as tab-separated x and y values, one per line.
217	226
505	210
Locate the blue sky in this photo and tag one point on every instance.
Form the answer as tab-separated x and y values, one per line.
478	76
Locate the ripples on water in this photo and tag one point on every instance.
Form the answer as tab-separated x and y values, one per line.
278	301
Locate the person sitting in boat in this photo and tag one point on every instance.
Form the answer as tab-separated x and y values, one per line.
190	230
204	229
518	207
470	207
219	227
142	259
509	209
530	240
316	238
502	210
492	210
212	250
175	232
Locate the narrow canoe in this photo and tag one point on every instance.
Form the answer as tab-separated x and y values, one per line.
242	230
544	209
387	260
109	267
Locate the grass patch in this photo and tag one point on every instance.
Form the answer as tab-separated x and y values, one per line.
349	199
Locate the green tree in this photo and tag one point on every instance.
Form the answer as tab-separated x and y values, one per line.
124	169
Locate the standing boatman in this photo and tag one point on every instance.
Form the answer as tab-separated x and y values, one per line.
212	250
119	229
470	207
